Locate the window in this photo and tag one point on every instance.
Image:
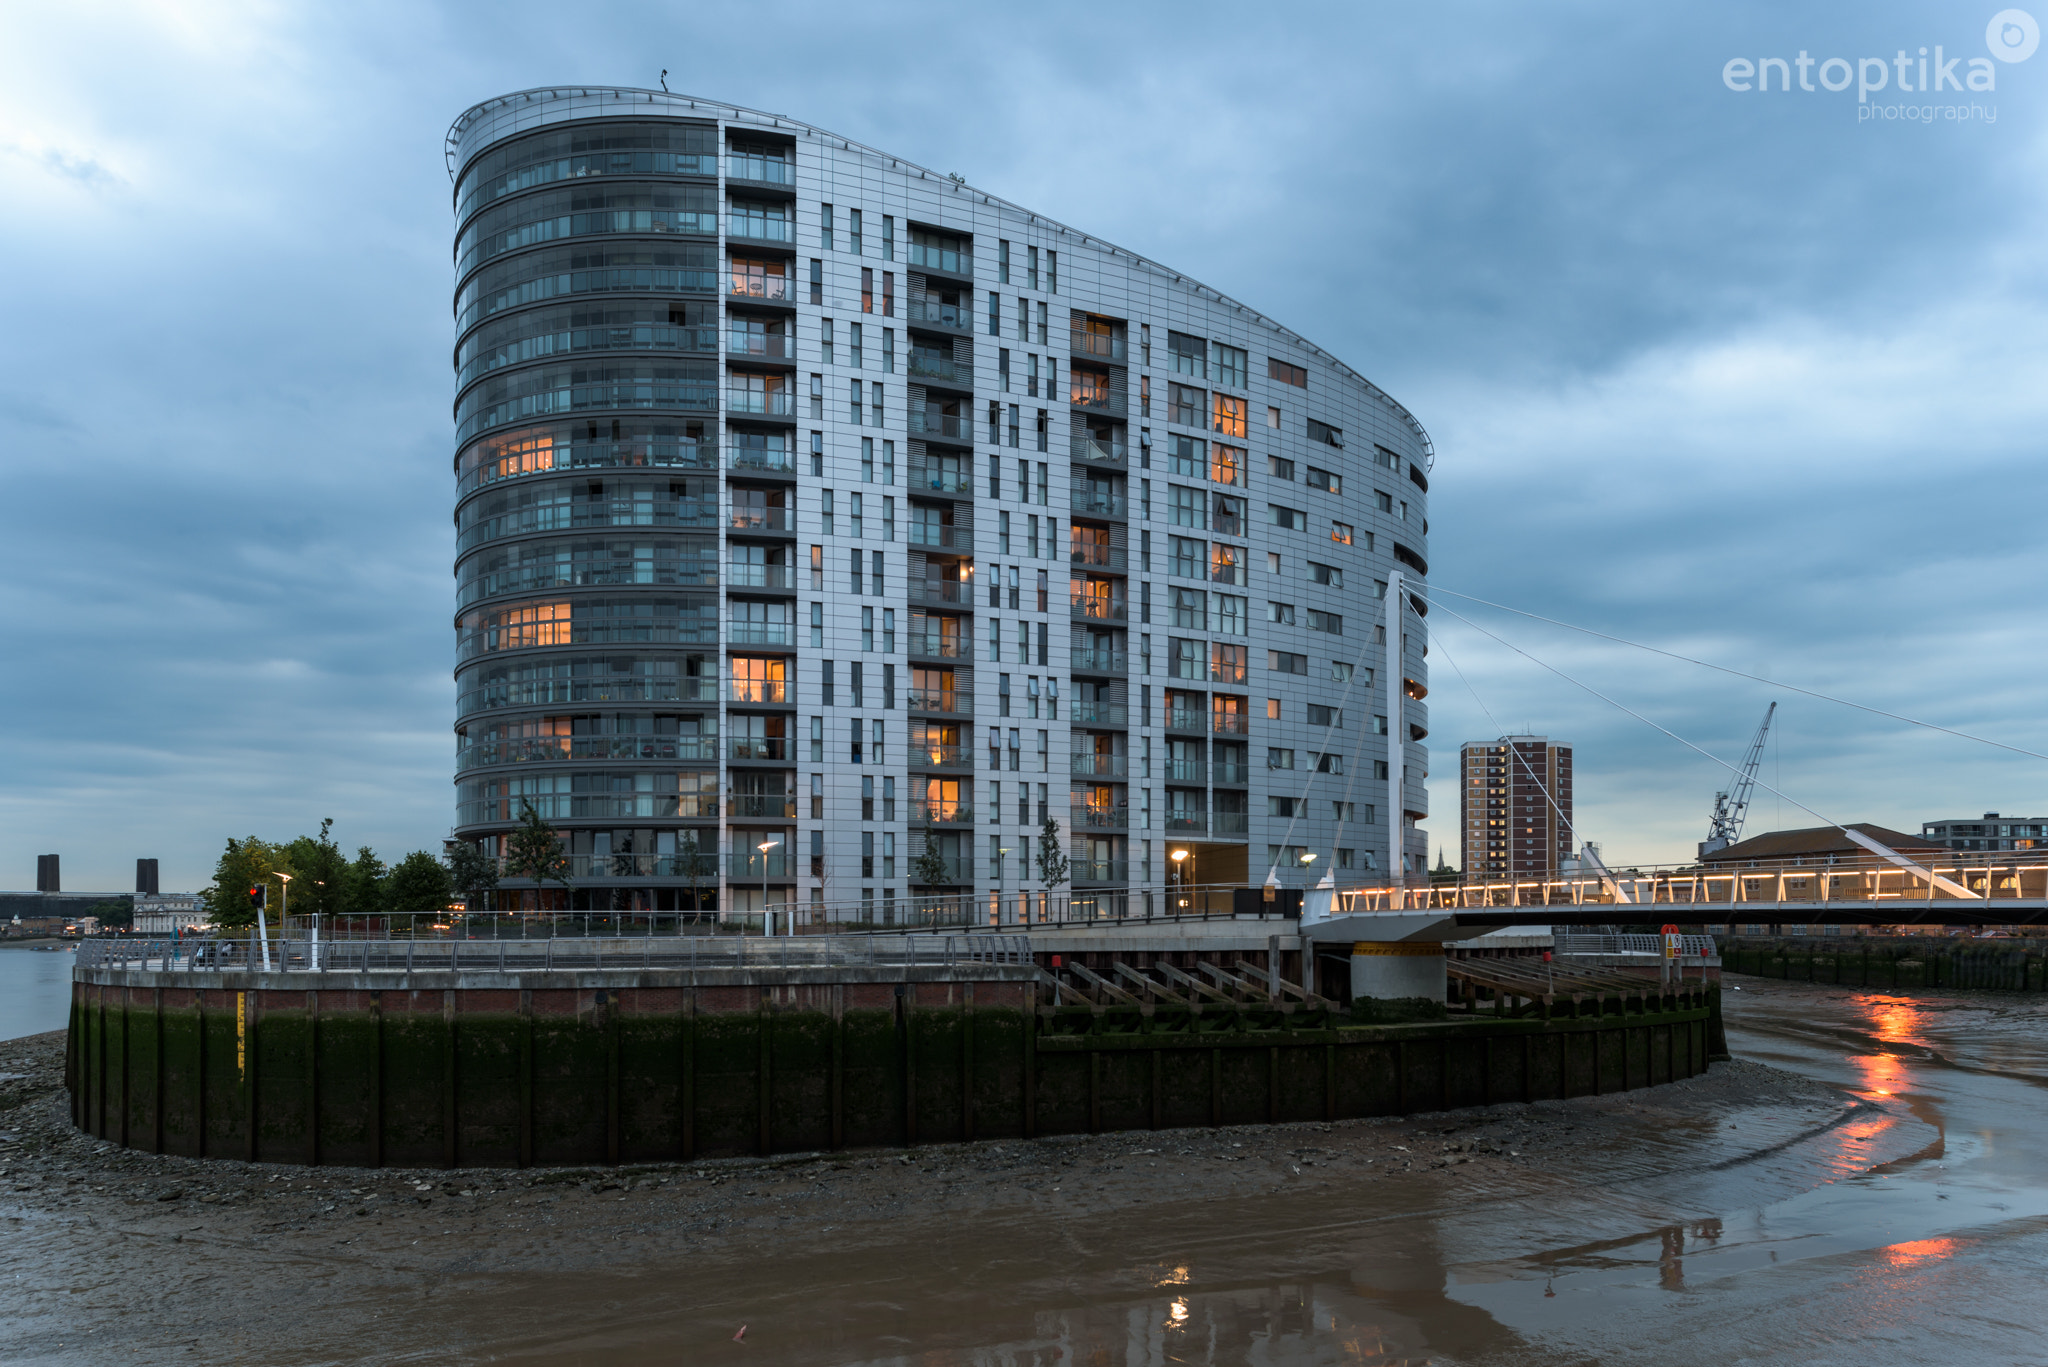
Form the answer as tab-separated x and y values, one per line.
1226	514
1002	264
1280	806
1283	613
1227	564
853	232
1340	672
888	237
1291	518
825	226
1044	333
1031	271
817	613
1184	659
1002	373
1321	715
1277	369
1230	366
1324	433
1385	501
1190	609
1280	469
817	281
1286	662
1226	663
1226	464
940	252
1279	759
876	394
825	511
1322	479
817	438
1330	622
867	290
1145	396
1185	455
853	357
1273	418
1190	354
1382	456
1340	532
817	740
1325	574
888	337
1229	614
1329	764
995	314
1185	405
817	569
1186	556
1272	709
1187	507
1343	811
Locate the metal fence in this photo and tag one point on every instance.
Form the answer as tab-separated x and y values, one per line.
1689	946
307	955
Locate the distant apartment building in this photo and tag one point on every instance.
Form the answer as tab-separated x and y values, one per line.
1989	832
1515	807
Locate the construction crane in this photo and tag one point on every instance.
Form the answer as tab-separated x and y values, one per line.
1724	828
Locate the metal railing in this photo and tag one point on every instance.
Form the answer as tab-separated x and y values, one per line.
941	757
1186	719
771	403
954	703
942	535
742	575
760	634
940	480
929	312
762	519
1095	452
760	690
761	806
1105	346
926	423
924	365
1088	712
762	170
1094	607
781	462
761	346
1099	818
1187	823
941	591
776	287
1100	661
759	748
932	646
1689	946
1231	724
1187	771
1098	555
1229	823
1088	765
1093	500
943	813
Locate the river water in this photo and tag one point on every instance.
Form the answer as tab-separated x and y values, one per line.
35	990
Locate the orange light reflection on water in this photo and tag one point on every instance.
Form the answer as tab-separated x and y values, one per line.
1918	1252
1892	1021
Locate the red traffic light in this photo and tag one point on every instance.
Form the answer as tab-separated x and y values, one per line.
256	897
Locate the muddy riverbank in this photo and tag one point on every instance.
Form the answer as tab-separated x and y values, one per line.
248	1263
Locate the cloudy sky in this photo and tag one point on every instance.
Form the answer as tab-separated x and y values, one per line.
1740	374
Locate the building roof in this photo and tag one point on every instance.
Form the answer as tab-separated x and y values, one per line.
1820	842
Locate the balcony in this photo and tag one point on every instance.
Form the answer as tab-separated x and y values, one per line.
762	806
761	634
1232	775
1101	870
745	519
771	691
772	461
942	813
930	313
1094	451
949	591
1088	712
759	750
1187	771
1187	823
1096	398
940	479
760	577
1230	823
1087	765
925	366
1182	719
539	749
945	702
1099	818
1102	346
760	170
929	646
760	228
1092	661
1099	500
754	866
756	403
1098	555
771	289
760	346
924	422
941	757
955	871
942	535
1232	723
1089	607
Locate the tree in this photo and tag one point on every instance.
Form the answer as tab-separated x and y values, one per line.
244	864
930	868
114	911
362	885
1052	860
535	851
690	863
418	885
319	873
473	873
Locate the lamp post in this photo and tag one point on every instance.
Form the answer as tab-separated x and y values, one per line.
1180	880
767	917
284	904
1002	859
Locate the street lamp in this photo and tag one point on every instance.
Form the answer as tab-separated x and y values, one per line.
767	917
1002	858
1180	878
284	901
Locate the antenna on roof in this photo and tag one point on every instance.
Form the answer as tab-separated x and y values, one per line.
664	80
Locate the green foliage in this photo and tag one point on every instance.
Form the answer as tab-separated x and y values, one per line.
319	874
114	911
418	886
242	865
535	850
473	873
930	868
1052	860
362	885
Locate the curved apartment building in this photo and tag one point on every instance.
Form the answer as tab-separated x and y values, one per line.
824	525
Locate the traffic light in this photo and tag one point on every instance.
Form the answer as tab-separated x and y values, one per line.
256	896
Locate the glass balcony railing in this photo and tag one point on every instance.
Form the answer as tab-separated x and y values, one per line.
1182	719
762	806
943	813
758	519
1101	661
760	577
1187	771
774	749
761	170
1229	823
760	690
954	871
760	227
1231	723
941	479
1100	345
923	365
1088	712
760	634
1092	608
1101	766
1100	818
754	458
762	346
932	313
1236	775
924	422
1097	452
942	535
541	749
1101	870
941	591
1097	554
773	288
1096	397
755	866
1187	823
941	757
772	403
1096	500
949	702
939	647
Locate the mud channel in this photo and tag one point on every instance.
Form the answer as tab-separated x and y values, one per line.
1862	1184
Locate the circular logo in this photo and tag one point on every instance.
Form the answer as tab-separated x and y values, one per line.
2012	35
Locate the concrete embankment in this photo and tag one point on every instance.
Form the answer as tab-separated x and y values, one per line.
1894	963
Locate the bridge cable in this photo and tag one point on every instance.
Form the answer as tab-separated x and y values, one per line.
1758	678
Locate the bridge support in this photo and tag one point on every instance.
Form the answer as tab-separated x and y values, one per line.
1390	970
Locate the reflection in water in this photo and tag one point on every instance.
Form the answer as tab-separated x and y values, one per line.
1916	1252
